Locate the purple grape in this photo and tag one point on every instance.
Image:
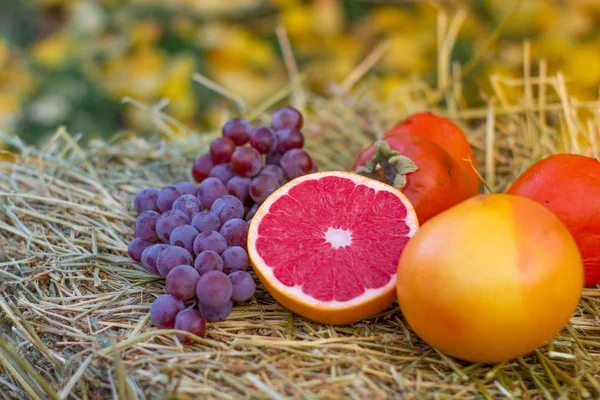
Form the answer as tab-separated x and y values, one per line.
181	282
263	139
168	221
191	321
164	310
262	187
201	167
186	188
289	138
235	258
206	221
243	286
171	257
238	130
251	212
188	204
167	196
273	158
228	207
137	247
276	172
145	226
145	200
238	186
210	190
223	172
184	236
209	240
295	163
235	232
213	289
219	313
150	256
246	161
221	150
287	117
314	168
208	261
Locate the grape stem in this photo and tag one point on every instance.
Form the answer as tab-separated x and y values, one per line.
387	166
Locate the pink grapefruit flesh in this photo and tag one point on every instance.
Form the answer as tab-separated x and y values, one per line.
327	245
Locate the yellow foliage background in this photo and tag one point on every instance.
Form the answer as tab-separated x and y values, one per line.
70	62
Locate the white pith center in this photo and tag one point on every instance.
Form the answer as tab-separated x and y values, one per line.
338	237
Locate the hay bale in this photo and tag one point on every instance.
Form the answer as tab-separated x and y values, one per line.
74	308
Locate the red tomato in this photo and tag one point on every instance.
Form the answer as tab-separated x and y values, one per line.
445	133
437	184
569	185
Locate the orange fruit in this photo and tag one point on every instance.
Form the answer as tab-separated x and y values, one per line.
327	245
490	279
445	133
569	185
438	183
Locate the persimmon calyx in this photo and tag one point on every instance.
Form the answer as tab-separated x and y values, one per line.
388	166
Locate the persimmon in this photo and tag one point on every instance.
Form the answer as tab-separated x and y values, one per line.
426	173
569	185
446	134
490	279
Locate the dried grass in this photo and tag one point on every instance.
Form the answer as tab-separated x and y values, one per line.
74	307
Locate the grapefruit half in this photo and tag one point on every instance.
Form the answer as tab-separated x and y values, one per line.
327	245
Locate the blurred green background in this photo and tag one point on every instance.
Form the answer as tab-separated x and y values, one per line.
70	62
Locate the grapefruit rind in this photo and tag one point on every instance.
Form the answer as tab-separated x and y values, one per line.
367	304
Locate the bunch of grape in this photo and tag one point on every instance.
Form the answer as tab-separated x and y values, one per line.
195	236
195	239
250	162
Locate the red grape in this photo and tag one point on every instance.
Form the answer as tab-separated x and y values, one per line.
235	258
210	190
171	257
145	200
209	240
276	172
164	310
289	138
238	130
262	187
223	172
238	186
213	289
191	321
287	117
246	161
188	204
221	150
228	207
145	226
186	187
208	261
206	221
168	221
167	196
201	167
263	139
137	247
184	236
295	163
150	256
243	286
181	282
235	232
219	313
